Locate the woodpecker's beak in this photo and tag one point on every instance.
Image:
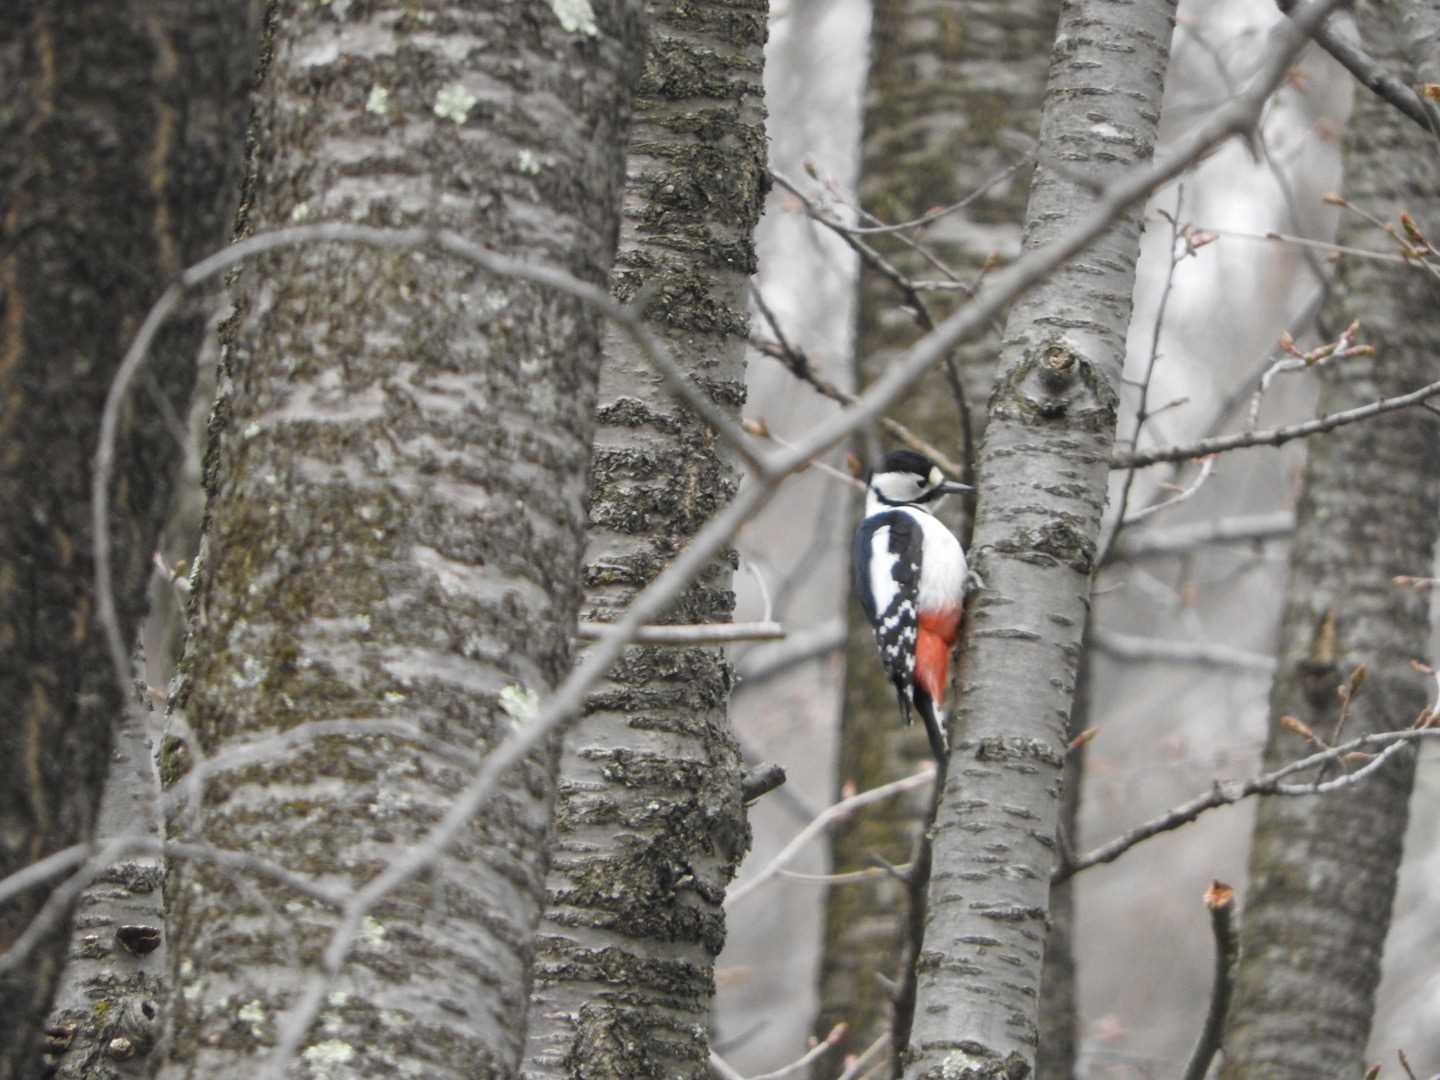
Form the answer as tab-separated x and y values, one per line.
953	487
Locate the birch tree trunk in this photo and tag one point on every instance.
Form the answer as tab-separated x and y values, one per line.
649	824
121	130
396	487
946	86
1043	469
1322	871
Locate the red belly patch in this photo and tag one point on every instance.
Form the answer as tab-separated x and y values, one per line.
938	630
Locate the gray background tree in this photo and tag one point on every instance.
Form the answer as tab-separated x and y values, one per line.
1322	872
396	481
649	825
120	148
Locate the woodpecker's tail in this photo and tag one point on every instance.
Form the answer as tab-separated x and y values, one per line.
904	698
934	725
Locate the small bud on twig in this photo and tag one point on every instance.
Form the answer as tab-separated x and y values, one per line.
1296	725
1219	895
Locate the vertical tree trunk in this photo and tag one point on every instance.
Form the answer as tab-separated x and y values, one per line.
944	83
1322	871
1043	469
649	826
114	978
396	520
1059	1018
120	149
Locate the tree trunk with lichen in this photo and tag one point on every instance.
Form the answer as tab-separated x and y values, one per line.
1322	871
649	825
107	1006
396	482
945	87
121	135
1043	467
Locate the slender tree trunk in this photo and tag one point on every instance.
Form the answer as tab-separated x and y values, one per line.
107	1006
649	825
944	83
1043	470
120	151
396	485
1322	871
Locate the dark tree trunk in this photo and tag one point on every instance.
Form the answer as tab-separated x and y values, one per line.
121	130
397	481
1322	871
649	825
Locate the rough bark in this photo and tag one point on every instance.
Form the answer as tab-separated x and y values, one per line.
107	1007
1043	471
1059	1018
396	482
945	84
120	149
1322	871
649	824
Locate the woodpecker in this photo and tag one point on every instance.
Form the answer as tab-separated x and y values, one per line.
910	577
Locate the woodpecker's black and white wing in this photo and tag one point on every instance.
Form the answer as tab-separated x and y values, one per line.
889	549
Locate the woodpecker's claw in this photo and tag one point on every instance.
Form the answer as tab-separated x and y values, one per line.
973	583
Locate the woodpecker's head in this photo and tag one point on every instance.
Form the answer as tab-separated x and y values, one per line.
908	479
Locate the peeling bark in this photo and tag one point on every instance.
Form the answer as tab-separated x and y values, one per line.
1043	471
649	826
120	153
396	481
1322	871
944	83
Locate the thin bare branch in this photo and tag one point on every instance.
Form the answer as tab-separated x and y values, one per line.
1207	466
801	1066
1220	900
827	817
1369	71
935	215
1178	252
852	877
1272	236
1125	459
1226	793
1342	348
799	366
871	1055
699	634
